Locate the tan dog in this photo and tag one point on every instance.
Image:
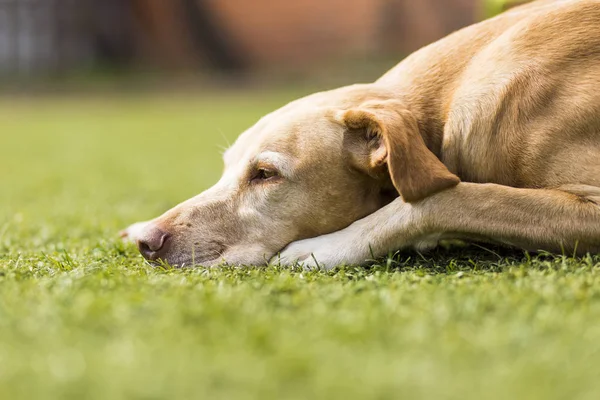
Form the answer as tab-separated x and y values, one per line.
492	133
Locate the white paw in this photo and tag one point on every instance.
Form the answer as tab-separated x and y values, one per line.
325	252
133	232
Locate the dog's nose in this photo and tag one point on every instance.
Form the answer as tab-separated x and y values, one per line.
153	243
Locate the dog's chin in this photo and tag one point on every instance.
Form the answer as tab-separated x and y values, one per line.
235	256
209	256
189	262
186	262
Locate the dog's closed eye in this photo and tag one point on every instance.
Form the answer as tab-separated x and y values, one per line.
264	174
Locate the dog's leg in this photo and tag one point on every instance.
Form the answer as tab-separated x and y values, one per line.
564	219
559	220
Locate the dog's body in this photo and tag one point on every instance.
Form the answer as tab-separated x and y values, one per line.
492	133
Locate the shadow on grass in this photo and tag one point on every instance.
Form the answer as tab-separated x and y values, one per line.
479	258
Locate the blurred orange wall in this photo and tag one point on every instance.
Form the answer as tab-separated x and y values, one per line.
300	31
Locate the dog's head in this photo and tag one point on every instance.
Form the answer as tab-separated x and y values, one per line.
310	168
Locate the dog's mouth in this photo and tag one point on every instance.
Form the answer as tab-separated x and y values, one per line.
214	258
207	256
185	263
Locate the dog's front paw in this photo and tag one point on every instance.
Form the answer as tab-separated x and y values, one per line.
133	232
325	252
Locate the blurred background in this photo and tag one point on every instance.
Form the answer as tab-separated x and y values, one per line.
218	41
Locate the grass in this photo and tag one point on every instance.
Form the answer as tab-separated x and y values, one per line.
82	316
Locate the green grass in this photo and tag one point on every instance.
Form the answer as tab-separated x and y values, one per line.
83	317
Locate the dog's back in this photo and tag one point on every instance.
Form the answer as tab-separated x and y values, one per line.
517	96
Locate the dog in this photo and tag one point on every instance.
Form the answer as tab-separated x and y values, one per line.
491	134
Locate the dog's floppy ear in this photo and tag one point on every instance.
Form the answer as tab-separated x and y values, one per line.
386	133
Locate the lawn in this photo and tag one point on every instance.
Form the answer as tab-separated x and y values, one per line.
83	317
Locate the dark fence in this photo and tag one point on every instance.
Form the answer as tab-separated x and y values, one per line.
58	35
41	37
